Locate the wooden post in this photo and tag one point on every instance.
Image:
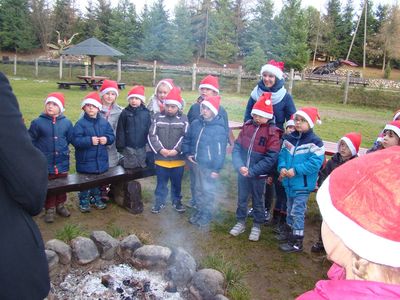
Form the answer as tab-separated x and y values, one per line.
154	72
239	79
291	78
15	64
194	70
61	66
346	88
36	67
119	70
70	71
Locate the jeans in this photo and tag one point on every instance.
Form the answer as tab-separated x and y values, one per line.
280	203
205	192
192	181
296	210
254	187
163	176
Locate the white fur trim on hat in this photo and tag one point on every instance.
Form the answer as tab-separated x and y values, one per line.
56	101
362	242
141	97
173	102
164	82
289	123
109	89
208	86
349	144
393	128
91	101
261	113
305	116
278	73
210	106
396	115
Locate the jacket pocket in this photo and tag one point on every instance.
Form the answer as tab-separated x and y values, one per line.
305	180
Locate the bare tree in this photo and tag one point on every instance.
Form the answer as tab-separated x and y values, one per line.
41	20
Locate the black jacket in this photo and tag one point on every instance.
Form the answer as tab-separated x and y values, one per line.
24	271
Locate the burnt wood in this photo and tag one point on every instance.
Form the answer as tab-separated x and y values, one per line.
78	182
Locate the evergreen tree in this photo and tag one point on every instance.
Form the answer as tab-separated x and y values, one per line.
64	19
255	60
200	27
125	32
290	41
87	25
221	46
179	48
103	15
314	26
333	20
155	32
346	29
16	29
41	21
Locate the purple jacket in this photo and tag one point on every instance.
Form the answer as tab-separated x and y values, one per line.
339	288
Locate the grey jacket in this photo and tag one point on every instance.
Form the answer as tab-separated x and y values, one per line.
167	133
112	117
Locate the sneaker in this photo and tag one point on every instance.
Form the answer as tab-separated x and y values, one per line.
237	229
318	247
294	244
84	205
62	211
179	207
191	204
255	234
100	204
156	209
50	214
194	218
250	212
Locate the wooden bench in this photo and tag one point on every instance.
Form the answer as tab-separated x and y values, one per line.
337	79
85	85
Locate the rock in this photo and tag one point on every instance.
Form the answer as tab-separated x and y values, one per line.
151	257
220	297
206	284
52	259
181	267
62	249
128	246
84	250
105	243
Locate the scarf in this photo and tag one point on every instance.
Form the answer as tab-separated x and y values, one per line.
278	91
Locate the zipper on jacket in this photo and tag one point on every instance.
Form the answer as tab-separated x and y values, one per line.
54	119
209	153
197	142
251	147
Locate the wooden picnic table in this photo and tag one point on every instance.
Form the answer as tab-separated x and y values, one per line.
92	80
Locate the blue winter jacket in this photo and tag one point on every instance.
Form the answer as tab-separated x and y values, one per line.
206	141
283	110
305	153
52	136
90	158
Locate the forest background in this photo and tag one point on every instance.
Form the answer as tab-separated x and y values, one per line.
222	31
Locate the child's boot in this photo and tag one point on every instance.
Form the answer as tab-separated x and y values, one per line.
284	233
84	205
49	216
99	203
62	210
294	244
255	233
318	247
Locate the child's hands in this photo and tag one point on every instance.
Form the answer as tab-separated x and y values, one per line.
164	152
269	180
173	152
283	173
95	140
191	159
244	171
214	175
102	140
290	173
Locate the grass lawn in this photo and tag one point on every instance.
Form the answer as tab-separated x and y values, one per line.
253	270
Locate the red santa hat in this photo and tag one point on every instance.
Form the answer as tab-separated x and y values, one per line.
92	98
109	86
396	115
212	102
290	122
263	106
138	92
310	114
273	67
360	203
57	98
174	97
167	81
353	141
210	82
393	126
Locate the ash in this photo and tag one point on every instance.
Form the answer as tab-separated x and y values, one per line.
120	282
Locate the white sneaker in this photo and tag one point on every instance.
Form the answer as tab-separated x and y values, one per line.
237	229
255	234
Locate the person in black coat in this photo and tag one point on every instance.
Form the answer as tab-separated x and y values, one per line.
24	270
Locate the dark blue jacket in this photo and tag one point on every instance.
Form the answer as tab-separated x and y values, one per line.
52	136
90	158
283	110
133	127
206	141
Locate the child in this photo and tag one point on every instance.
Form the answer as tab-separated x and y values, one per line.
390	136
359	203
110	110
204	146
254	155
132	130
300	159
348	147
378	143
92	133
51	133
165	138
209	86
163	88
